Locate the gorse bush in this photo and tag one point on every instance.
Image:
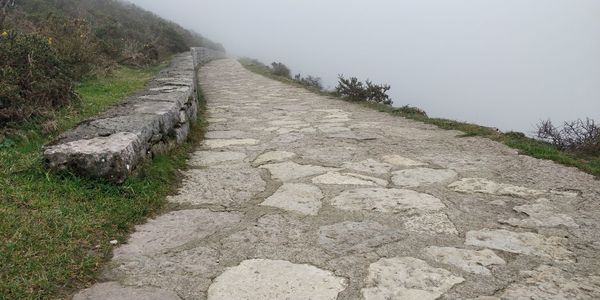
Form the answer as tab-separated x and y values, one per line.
33	77
280	69
354	90
581	136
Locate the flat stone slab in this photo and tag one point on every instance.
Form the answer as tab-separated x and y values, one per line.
386	201
484	186
335	178
348	237
222	143
471	261
223	186
422	176
431	223
273	156
115	291
541	214
211	158
527	243
369	166
402	161
226	134
548	282
165	232
297	197
275	279
407	278
287	171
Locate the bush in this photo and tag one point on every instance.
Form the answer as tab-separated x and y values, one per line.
411	110
311	82
280	69
354	90
33	77
581	136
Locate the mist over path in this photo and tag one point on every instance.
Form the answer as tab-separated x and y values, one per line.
296	195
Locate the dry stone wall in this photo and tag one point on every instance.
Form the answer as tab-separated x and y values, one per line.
153	121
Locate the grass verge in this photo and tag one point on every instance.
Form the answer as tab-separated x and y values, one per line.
55	230
525	145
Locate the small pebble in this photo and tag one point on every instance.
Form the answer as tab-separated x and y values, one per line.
114	242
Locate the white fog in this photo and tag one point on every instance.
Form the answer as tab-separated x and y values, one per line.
500	63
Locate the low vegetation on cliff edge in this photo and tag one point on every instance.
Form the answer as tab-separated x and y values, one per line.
575	144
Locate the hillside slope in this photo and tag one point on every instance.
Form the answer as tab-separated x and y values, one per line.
47	45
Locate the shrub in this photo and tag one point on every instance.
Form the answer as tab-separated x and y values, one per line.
33	77
410	110
311	82
279	69
582	136
354	90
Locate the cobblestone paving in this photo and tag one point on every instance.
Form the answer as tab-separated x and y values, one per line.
297	196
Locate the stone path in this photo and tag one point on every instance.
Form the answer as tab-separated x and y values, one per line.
298	196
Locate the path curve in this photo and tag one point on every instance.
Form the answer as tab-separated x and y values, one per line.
298	196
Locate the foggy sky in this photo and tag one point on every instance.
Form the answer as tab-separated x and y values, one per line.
501	63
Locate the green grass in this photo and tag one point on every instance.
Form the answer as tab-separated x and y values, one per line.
55	229
524	144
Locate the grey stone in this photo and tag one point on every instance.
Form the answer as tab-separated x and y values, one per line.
541	214
226	134
222	143
407	278
297	197
422	176
386	200
430	223
358	237
210	158
273	156
551	283
369	166
333	178
275	279
115	291
223	186
471	261
165	232
287	171
113	157
480	185
520	242
402	161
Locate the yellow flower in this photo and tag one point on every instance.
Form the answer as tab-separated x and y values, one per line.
4	34
50	40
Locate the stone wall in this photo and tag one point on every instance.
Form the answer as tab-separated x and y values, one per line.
205	55
153	121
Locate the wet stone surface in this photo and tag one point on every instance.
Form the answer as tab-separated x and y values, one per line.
298	196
